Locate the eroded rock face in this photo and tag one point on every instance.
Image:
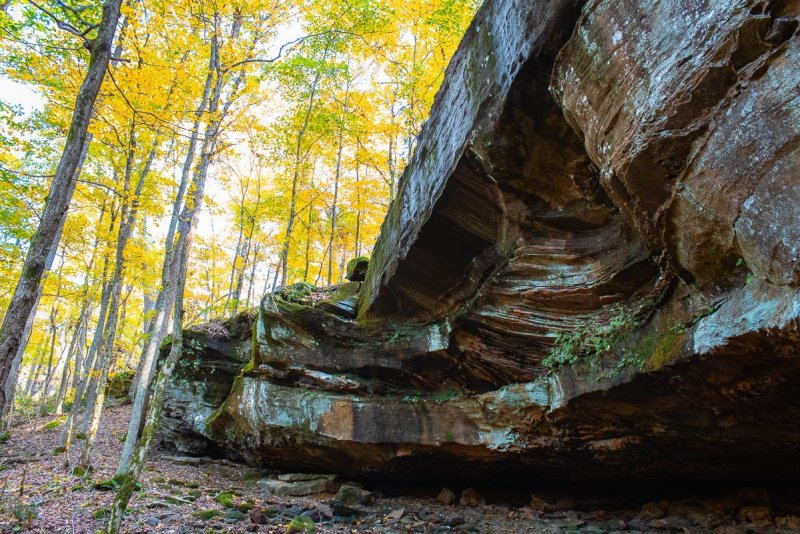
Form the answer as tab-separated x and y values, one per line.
694	126
213	357
590	270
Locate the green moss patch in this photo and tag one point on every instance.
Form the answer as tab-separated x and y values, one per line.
205	515
301	524
114	483
226	499
55	423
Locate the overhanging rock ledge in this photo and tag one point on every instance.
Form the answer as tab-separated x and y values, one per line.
591	269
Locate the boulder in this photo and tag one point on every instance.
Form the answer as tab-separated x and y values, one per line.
357	269
590	269
352	495
470	497
446	496
298	488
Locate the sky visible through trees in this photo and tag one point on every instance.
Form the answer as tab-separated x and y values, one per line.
318	109
231	147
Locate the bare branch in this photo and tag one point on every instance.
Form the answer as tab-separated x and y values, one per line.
285	48
66	26
98	184
27	175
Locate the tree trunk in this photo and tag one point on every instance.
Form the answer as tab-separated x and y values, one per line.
129	474
321	265
127	478
75	350
337	175
59	197
94	368
164	302
65	376
253	265
127	223
237	290
358	217
32	378
235	268
79	340
87	375
49	375
11	381
284	264
308	240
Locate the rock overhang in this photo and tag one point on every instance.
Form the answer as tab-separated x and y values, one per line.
603	187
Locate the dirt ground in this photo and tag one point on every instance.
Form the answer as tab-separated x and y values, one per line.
39	494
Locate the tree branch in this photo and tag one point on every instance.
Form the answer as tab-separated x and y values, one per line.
66	26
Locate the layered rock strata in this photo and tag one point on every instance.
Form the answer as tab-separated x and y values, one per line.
591	268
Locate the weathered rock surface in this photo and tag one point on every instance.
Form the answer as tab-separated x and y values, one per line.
309	486
591	269
213	356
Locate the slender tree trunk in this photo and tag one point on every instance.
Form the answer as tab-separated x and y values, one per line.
235	267
321	266
163	305
237	290
358	216
74	352
83	376
337	175
49	375
127	223
266	280
284	263
188	222
166	297
32	379
128	478
95	370
253	265
53	340
62	386
59	197
11	381
87	375
308	240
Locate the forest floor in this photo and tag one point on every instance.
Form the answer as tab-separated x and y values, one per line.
39	494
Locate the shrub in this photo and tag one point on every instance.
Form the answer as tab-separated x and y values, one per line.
24	513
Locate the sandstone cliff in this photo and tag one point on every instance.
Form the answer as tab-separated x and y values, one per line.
591	269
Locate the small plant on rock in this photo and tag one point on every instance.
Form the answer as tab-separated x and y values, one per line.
590	339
